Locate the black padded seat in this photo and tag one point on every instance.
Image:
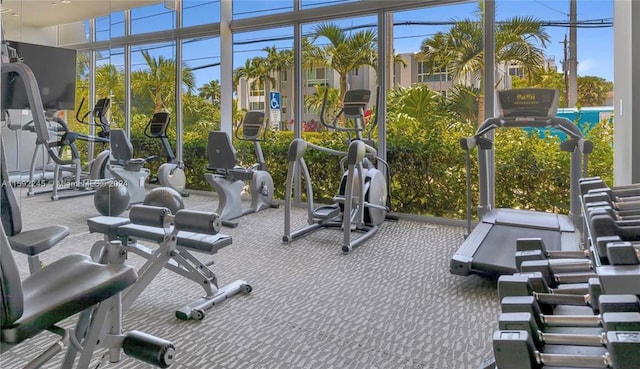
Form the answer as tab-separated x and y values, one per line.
35	241
204	243
107	225
62	289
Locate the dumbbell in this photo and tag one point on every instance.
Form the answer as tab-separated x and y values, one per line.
535	249
598	197
570	336
519	284
525	285
618	213
514	349
559	271
608	303
595	184
623	253
602	224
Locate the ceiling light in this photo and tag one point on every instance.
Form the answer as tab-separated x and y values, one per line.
5	10
65	1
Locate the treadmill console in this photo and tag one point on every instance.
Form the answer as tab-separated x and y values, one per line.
528	103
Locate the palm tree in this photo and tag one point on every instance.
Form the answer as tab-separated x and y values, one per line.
159	81
463	102
211	91
461	49
345	52
314	101
110	83
279	60
256	71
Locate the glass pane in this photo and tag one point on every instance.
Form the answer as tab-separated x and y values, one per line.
253	8
151	19
591	64
201	106
327	70
259	65
110	83
153	82
110	26
421	117
197	12
319	3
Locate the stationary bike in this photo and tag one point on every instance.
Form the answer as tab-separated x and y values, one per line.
362	202
228	179
171	173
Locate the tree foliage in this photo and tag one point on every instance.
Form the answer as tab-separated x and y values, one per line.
345	52
461	49
593	91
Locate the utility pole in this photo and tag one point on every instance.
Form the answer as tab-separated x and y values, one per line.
573	55
565	69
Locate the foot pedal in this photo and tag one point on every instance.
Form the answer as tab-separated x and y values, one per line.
326	212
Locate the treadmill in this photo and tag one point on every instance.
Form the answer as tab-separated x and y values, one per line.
489	249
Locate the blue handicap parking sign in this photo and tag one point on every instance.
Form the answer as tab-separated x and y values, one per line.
274	100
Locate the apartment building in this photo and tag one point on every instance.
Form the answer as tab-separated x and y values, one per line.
252	96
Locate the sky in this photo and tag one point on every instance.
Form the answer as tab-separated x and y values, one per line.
595	45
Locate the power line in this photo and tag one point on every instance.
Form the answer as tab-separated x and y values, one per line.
550	7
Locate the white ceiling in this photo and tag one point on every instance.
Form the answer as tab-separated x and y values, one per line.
43	13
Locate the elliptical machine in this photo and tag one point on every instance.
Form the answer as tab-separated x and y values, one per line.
229	180
98	168
95	172
171	173
362	202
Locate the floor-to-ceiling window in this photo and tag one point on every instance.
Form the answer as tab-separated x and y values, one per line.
263	65
201	104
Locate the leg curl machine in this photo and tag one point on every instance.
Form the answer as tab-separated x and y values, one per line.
177	236
228	179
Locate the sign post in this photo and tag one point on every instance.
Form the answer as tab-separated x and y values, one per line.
275	115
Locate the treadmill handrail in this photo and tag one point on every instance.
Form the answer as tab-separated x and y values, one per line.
559	123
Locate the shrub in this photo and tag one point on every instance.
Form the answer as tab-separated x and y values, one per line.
427	165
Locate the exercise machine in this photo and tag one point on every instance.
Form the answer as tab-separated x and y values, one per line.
71	285
362	202
28	242
127	169
171	173
229	180
177	237
490	247
98	166
96	172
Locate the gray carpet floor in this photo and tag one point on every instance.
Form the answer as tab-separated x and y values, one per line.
389	304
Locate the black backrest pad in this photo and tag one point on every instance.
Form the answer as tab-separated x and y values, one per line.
252	125
158	124
354	103
121	148
220	151
12	303
11	217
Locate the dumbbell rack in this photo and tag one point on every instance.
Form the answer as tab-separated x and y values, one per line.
575	311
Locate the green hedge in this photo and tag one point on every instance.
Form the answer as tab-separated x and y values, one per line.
427	165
